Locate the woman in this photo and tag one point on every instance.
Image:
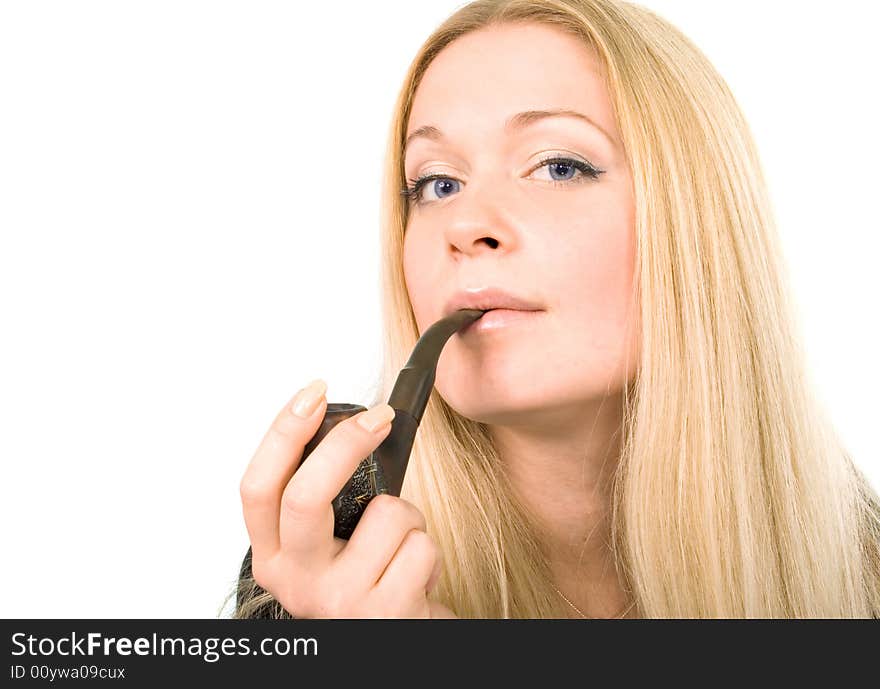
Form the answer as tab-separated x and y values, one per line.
645	442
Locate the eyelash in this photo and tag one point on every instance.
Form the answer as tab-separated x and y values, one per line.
413	192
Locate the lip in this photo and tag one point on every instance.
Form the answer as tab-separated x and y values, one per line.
488	299
499	319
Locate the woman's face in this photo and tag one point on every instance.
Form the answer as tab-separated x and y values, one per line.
499	217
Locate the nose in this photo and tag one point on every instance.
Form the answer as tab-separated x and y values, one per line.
483	220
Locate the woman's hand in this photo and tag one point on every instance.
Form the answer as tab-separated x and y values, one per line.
388	566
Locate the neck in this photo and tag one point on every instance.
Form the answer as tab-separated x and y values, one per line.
562	471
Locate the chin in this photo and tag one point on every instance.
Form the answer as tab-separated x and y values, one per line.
486	402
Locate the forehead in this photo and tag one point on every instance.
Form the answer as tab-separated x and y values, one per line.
483	77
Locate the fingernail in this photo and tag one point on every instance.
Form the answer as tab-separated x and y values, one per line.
377	418
307	399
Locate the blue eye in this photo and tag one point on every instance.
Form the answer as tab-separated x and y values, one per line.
566	167
438	185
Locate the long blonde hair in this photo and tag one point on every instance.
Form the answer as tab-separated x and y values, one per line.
733	495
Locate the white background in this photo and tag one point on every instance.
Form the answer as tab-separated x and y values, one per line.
189	200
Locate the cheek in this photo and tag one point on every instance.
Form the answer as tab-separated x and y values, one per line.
417	281
599	257
596	290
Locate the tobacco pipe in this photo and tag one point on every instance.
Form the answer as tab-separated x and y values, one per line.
384	469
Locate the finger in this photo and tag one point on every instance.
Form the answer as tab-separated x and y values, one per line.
411	568
438	611
435	575
306	504
378	535
273	464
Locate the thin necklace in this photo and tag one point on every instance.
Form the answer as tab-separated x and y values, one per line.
586	617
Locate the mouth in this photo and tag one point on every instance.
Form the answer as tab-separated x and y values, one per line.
500	320
489	299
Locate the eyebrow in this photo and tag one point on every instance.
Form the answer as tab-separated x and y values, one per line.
515	122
